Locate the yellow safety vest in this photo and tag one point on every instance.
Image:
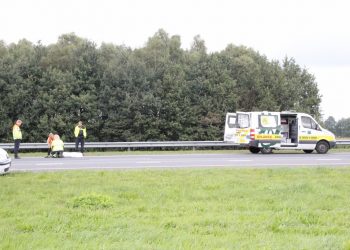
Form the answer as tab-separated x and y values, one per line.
57	145
17	133
77	130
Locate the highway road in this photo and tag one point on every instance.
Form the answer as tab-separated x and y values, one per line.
200	160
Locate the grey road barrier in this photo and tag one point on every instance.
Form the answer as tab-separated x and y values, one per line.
150	144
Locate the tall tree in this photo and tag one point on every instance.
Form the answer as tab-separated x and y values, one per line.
331	124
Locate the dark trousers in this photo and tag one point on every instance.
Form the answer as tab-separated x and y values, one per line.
49	151
81	141
57	154
16	148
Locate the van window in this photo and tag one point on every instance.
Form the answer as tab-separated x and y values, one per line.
309	123
243	120
268	121
231	121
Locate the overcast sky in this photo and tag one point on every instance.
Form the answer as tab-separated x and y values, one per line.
315	33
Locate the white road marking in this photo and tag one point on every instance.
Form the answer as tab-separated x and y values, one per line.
179	167
324	159
49	164
239	160
148	162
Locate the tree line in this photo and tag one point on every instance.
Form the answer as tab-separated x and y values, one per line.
340	128
157	92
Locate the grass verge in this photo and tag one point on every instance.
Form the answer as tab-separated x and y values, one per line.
177	209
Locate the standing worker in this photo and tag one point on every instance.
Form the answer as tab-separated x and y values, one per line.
17	137
80	135
50	138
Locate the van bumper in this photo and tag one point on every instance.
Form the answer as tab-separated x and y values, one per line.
5	166
332	144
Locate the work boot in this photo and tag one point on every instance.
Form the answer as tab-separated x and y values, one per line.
17	157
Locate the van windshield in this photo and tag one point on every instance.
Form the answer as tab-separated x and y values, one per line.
268	121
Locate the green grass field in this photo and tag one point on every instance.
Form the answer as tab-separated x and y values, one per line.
177	209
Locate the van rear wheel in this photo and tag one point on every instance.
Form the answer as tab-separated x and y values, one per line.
322	147
308	151
254	150
266	150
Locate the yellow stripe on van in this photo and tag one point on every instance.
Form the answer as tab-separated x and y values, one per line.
316	138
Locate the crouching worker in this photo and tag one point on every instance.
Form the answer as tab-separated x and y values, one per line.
49	142
57	147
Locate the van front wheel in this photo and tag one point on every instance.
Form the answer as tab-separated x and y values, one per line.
254	150
322	147
308	151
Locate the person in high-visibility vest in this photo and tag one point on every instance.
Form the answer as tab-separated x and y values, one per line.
49	141
80	135
17	137
57	147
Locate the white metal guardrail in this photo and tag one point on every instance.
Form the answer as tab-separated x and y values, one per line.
128	145
343	142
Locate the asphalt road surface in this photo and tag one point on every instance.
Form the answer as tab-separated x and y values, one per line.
235	160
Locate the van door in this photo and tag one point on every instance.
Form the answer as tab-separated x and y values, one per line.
269	130
289	130
309	132
237	128
230	127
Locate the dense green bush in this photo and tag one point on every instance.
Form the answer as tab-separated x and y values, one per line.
92	201
158	92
